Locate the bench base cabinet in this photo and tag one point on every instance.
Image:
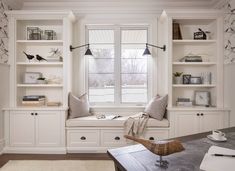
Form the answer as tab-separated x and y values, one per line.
98	140
37	129
192	122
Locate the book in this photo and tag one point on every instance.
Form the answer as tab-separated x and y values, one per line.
53	103
184	104
218	163
34	97
108	116
33	103
176	31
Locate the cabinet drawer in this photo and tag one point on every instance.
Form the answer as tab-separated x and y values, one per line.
156	134
111	138
83	138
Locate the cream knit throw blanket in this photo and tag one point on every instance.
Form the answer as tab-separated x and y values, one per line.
136	124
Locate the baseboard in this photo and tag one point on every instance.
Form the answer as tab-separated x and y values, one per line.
2	143
35	150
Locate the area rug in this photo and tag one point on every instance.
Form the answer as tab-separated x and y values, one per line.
58	165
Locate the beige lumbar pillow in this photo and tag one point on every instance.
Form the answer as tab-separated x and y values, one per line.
78	106
156	108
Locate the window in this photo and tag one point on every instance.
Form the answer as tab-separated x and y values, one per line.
117	72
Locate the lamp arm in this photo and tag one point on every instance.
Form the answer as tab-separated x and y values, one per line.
71	47
163	47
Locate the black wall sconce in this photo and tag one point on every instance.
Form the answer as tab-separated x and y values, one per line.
147	52
88	51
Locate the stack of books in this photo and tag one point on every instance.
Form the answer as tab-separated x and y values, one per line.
193	59
184	102
34	100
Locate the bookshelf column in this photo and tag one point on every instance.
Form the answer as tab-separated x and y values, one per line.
40	81
195	55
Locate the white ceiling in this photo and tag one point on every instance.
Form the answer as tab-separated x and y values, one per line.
96	4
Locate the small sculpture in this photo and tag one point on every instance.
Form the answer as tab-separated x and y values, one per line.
39	58
30	57
161	148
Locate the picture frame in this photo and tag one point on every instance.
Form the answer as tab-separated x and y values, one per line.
32	77
186	78
202	98
33	33
195	80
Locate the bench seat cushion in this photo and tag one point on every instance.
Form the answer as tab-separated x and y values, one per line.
92	121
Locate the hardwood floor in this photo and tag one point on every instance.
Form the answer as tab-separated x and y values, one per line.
4	158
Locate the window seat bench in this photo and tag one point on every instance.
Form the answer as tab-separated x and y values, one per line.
92	121
92	135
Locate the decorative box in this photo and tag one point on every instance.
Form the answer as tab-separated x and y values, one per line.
49	34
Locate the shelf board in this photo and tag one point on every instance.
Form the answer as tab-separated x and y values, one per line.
193	41
194	63
39	41
40	63
194	85
39	85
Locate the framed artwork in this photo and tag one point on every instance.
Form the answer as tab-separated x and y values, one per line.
32	77
202	98
186	79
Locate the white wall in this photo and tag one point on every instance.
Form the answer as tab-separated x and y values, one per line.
229	69
229	90
4	88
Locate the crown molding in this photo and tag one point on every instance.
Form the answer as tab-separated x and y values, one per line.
117	6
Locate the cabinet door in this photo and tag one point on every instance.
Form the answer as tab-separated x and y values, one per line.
22	128
187	123
211	121
48	128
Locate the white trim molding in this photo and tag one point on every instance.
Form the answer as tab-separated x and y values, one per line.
116	6
2	144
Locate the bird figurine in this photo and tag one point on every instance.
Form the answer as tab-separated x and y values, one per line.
30	57
39	58
161	148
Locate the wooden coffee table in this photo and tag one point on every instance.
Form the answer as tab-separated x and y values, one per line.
138	158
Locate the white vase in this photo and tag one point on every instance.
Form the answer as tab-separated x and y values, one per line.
177	80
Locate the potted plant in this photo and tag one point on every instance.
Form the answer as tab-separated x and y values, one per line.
177	77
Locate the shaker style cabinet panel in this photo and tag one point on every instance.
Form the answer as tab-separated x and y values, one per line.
192	122
35	128
48	130
187	123
211	121
22	128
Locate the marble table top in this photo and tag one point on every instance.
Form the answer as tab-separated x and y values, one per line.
138	158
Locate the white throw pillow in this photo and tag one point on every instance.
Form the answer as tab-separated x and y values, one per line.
78	106
156	108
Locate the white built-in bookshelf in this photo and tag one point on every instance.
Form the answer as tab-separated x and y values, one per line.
209	49
60	71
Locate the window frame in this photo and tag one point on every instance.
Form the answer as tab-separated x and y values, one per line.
117	64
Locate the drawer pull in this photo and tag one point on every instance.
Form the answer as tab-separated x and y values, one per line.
83	138
202	114
117	138
151	138
31	113
198	114
36	114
